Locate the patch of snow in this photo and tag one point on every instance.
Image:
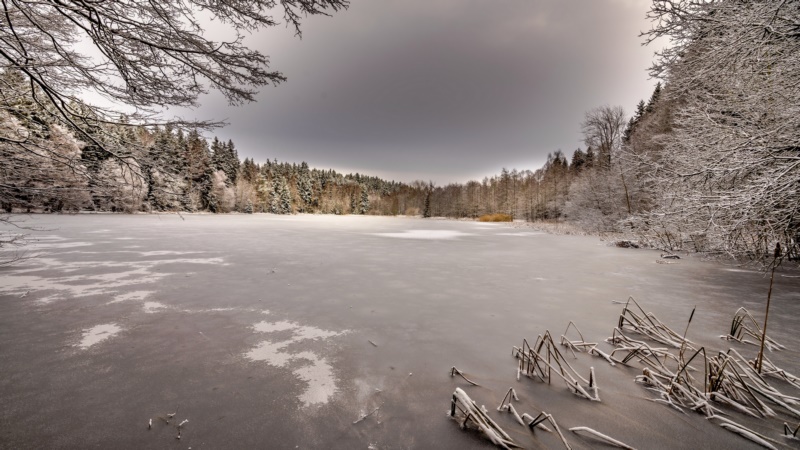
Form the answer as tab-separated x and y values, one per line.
135	295
82	280
522	233
318	374
425	234
314	369
152	307
47	300
97	334
269	327
165	252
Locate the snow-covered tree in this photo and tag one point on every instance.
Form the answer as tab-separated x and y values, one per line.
281	198
731	180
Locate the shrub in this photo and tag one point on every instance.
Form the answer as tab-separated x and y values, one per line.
495	218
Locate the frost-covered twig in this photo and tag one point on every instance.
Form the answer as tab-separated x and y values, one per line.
511	393
544	359
744	432
582	345
743	325
464	406
788	432
530	423
537	421
602	437
649	325
454	371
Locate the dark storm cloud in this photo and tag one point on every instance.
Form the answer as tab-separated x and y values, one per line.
441	89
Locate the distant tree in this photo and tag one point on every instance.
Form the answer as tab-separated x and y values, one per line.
590	157
281	202
305	187
651	104
230	163
578	161
364	204
249	170
426	211
602	128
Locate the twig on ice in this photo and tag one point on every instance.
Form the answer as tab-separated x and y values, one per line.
364	416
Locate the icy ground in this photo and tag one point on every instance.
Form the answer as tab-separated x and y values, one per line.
282	331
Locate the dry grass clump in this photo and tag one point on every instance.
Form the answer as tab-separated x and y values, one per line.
495	218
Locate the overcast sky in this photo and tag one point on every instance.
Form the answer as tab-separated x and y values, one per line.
442	90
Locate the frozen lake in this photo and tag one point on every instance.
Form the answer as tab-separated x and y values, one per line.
282	331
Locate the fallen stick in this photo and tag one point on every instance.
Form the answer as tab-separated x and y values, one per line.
602	437
364	416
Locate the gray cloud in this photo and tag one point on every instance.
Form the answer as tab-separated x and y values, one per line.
446	90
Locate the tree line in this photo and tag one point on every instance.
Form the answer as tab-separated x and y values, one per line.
710	162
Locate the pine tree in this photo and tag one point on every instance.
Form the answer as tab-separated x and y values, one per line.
249	170
281	198
231	163
590	157
364	206
651	104
353	203
198	173
217	157
578	161
305	187
426	212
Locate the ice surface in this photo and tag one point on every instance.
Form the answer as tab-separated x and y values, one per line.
252	345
